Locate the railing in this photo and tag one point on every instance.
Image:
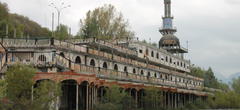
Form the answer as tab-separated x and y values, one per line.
8	42
121	76
105	43
69	46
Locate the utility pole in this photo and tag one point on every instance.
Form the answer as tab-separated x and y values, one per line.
52	25
59	10
69	32
15	33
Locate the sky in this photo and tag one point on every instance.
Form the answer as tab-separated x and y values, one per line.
211	27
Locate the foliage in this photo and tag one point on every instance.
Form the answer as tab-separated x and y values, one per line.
22	25
104	23
3	11
3	86
22	95
209	79
153	99
197	71
62	32
20	82
236	85
45	94
115	99
225	100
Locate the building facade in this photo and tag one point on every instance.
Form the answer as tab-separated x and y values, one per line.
86	67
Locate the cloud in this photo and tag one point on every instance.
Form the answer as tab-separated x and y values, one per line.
233	2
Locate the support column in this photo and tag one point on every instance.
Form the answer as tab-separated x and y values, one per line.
57	103
87	97
32	93
175	99
92	95
101	94
96	94
179	100
77	97
90	98
169	99
166	99
136	98
172	98
184	99
163	99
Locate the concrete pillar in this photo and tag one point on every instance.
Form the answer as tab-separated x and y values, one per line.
77	97
184	99
136	98
176	100
87	97
165	99
92	95
32	93
90	98
172	98
169	100
96	95
101	94
57	103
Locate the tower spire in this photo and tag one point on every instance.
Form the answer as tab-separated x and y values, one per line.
169	41
167	26
167	4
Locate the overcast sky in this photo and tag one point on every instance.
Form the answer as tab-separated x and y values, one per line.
212	27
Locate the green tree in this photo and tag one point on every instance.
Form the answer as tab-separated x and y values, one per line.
105	23
45	94
236	85
3	86
153	99
3	18
22	25
210	80
3	11
197	71
62	32
115	99
21	93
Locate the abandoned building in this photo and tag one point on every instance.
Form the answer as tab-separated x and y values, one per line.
85	67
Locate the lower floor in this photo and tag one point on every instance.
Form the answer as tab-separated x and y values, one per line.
82	92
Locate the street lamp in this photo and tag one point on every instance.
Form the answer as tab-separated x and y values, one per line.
59	9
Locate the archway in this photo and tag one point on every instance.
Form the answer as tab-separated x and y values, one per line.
92	62
83	95
152	54
78	60
105	65
148	75
42	58
116	67
69	94
140	95
125	69
134	70
142	73
157	55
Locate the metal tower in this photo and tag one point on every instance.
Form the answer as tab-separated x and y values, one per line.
169	41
